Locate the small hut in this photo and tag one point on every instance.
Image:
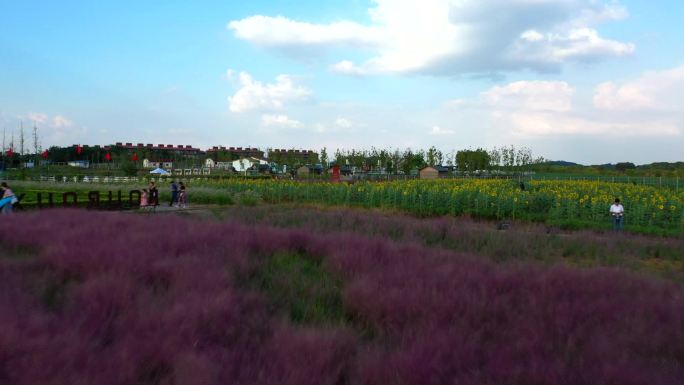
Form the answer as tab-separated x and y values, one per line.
303	172
443	171
429	173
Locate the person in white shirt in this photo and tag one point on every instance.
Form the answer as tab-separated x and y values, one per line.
618	213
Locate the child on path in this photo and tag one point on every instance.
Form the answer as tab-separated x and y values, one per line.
183	196
143	199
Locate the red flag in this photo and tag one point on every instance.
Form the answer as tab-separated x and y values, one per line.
46	154
108	157
79	149
135	157
10	152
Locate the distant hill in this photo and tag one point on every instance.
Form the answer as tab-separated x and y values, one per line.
658	169
662	165
562	163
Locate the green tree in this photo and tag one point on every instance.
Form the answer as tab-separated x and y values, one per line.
129	169
434	156
624	166
324	157
472	160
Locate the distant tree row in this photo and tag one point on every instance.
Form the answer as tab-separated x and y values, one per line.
504	158
508	158
392	161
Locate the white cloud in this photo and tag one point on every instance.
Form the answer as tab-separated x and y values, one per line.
280	120
577	44
656	91
56	129
453	36
343	123
436	130
57	121
347	67
280	31
255	95
38	117
539	124
320	128
532	35
60	121
546	108
532	95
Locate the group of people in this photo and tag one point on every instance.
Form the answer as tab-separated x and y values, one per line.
150	196
179	195
7	198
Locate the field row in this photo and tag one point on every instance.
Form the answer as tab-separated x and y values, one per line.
579	203
549	201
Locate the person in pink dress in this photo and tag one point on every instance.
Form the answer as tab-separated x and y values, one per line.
143	199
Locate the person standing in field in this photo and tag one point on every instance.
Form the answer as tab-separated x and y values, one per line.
7	198
618	213
183	196
153	199
174	194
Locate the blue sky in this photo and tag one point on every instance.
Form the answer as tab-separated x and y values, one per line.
590	81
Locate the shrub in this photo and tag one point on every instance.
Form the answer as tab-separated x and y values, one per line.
163	300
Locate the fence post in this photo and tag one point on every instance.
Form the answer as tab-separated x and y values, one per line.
65	197
93	199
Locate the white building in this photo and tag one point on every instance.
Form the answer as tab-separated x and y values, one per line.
79	163
210	163
149	164
244	164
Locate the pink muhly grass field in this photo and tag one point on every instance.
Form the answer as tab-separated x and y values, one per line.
108	298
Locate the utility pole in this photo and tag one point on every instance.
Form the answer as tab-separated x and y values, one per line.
2	155
36	144
21	144
21	138
11	146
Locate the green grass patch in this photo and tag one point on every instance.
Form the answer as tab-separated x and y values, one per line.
607	226
18	253
298	286
53	288
248	198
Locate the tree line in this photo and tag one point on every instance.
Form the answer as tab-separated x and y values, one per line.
468	160
385	160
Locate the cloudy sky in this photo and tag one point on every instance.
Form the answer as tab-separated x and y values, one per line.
590	81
